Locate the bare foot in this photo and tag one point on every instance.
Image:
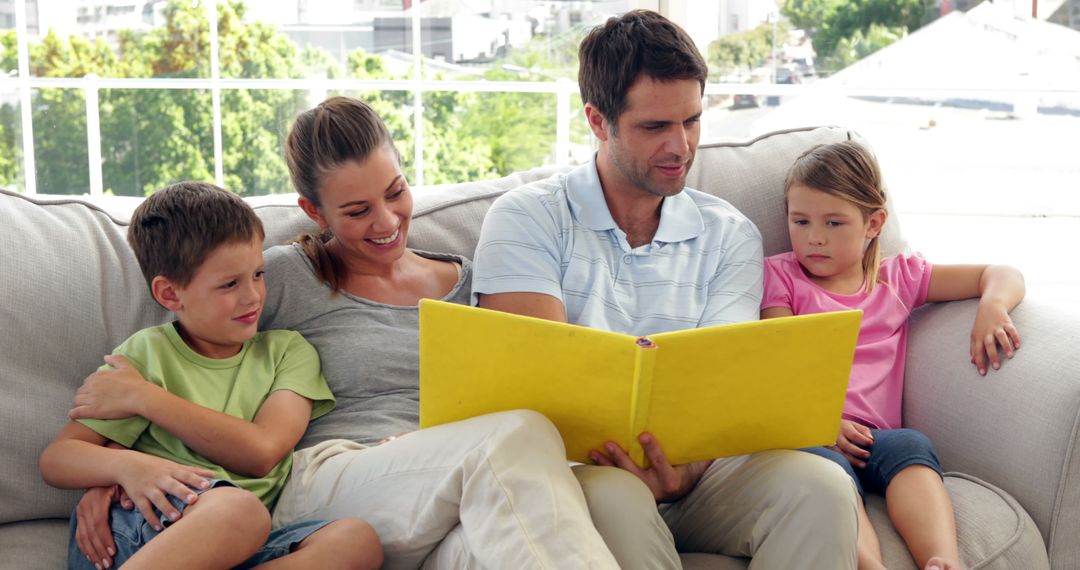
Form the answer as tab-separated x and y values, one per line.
939	563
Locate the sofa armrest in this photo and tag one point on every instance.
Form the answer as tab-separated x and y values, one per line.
1017	426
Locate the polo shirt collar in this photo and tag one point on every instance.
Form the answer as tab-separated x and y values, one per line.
586	198
680	219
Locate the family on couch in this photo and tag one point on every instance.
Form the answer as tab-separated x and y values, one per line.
618	243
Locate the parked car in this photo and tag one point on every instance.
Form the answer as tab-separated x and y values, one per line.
787	75
744	100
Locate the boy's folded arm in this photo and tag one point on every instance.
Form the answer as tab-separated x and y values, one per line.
77	458
249	448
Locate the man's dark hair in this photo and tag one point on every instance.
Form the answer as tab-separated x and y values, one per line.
175	229
617	52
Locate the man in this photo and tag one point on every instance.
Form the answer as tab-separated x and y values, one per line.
621	244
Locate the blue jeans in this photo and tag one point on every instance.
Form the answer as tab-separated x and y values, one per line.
131	532
893	450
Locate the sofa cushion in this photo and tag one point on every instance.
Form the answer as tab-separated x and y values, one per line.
34	544
993	530
751	175
71	292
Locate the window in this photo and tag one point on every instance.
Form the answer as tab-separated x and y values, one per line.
973	113
123	97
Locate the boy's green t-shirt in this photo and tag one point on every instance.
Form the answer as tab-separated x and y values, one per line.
272	360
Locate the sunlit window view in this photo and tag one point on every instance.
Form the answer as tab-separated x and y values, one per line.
973	107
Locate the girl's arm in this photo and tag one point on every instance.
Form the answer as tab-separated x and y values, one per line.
999	289
775	312
78	459
248	448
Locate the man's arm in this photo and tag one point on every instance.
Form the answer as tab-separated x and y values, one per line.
517	267
735	290
536	305
247	448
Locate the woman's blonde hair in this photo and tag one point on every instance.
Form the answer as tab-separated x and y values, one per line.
849	171
338	131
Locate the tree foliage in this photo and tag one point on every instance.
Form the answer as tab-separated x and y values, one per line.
153	137
833	24
746	50
859	45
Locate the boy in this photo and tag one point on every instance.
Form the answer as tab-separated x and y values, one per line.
200	249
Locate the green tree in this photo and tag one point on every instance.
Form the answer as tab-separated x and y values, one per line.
746	50
10	135
153	137
832	21
859	45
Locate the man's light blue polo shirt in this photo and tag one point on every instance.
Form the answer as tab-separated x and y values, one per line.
557	237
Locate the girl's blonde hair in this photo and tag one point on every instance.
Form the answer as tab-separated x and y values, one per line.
849	171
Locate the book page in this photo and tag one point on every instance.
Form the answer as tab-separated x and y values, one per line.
736	389
478	361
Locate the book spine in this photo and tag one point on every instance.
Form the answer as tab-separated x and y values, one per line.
640	397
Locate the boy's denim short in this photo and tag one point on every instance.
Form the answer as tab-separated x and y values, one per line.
892	451
131	532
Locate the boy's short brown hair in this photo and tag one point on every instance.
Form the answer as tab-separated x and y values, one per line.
616	53
175	229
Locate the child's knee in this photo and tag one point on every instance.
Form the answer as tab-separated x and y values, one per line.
237	508
351	542
905	440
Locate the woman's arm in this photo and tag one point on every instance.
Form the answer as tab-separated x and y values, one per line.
247	448
999	289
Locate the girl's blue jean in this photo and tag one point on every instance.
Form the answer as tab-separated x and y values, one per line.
893	451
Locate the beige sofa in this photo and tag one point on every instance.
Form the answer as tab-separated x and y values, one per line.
70	291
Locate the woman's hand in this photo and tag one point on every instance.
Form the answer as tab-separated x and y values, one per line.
111	394
993	328
852	442
667	482
93	535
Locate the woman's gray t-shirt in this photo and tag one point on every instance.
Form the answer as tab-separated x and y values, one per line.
369	351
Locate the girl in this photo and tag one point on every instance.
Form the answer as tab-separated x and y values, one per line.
836	211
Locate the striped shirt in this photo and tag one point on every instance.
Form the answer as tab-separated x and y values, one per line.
557	237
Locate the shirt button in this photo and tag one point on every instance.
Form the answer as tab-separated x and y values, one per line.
627	258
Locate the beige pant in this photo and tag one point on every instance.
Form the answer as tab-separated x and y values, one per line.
785	509
498	485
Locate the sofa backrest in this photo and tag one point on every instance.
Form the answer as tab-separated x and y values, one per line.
70	289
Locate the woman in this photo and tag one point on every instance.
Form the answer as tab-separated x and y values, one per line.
497	488
352	291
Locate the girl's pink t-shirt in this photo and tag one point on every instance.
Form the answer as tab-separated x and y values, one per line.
876	387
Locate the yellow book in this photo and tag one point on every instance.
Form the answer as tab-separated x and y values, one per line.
704	393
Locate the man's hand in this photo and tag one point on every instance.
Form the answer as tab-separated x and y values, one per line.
852	441
149	481
93	535
111	394
667	482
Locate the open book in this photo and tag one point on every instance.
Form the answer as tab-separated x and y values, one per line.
704	393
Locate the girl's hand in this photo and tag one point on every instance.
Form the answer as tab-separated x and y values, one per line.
111	394
992	329
852	441
150	480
